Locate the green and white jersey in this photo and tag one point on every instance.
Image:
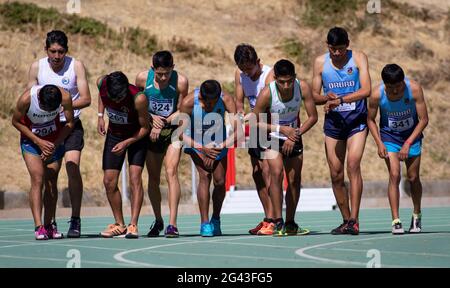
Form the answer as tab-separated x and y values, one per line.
161	102
287	112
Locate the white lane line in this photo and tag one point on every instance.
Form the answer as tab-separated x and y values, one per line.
302	251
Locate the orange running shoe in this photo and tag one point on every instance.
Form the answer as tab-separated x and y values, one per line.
267	229
132	232
114	230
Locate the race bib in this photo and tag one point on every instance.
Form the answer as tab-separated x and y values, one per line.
400	125
117	117
161	107
345	107
44	129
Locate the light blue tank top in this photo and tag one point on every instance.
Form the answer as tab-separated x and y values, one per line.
398	118
342	82
208	127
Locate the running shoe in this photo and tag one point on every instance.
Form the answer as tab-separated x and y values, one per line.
156	228
74	228
40	233
132	232
416	223
114	230
52	231
278	230
216	226
352	227
267	229
341	229
397	228
171	232
206	229
254	231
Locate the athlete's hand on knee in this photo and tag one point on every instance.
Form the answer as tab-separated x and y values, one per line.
101	126
382	151
154	134
288	147
119	148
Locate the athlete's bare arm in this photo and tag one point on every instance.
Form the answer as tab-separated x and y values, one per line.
421	109
310	107
239	92
83	87
33	75
371	120
186	108
66	103
101	110
317	81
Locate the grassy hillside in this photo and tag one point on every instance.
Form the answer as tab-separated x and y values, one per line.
111	35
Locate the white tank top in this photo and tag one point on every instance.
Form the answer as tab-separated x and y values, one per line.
35	113
65	78
252	88
288	112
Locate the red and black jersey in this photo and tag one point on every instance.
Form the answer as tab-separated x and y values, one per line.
123	116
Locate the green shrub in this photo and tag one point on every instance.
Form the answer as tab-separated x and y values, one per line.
297	51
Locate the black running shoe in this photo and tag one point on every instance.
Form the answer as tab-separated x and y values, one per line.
155	229
352	227
341	229
75	228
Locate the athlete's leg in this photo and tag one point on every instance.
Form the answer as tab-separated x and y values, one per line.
413	176
293	168
355	151
218	195
275	160
393	164
203	187
110	180
51	190
261	177
137	192
36	170
154	162
72	159
335	152
171	162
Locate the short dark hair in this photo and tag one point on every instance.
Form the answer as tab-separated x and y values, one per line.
337	36
245	53
56	36
210	89
392	74
117	85
162	59
50	97
284	68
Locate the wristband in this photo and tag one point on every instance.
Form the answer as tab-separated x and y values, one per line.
100	114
